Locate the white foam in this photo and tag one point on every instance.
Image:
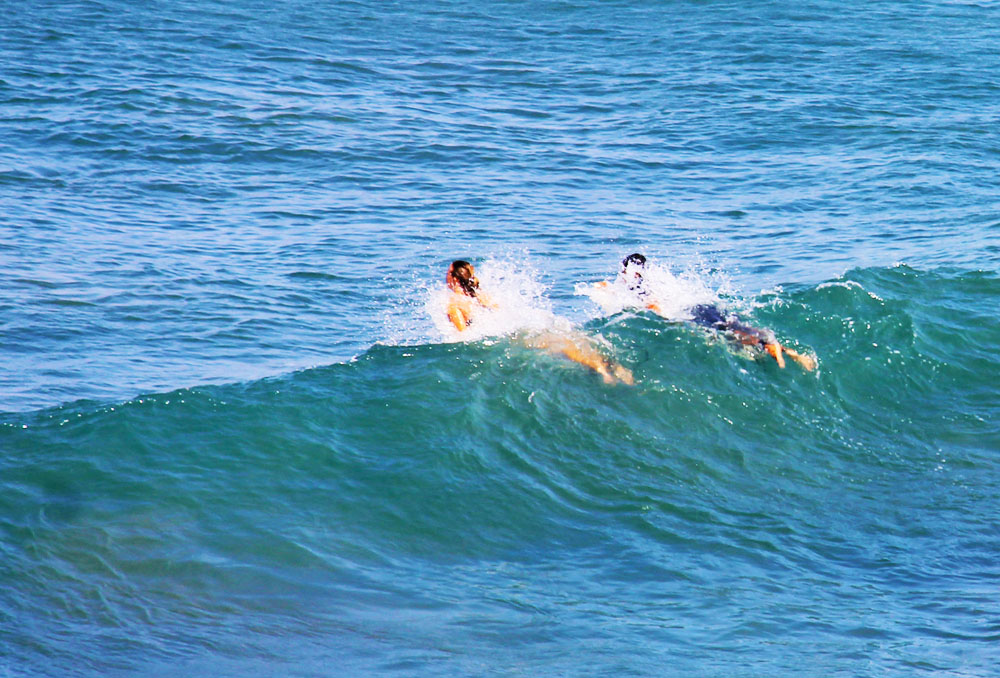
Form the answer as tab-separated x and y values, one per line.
518	304
849	284
674	294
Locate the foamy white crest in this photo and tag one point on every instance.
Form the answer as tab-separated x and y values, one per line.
519	300
849	284
675	294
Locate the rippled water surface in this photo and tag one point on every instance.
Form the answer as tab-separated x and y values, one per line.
238	437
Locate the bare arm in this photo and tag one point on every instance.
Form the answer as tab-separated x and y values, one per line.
486	300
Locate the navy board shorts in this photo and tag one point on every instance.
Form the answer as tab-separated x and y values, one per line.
709	315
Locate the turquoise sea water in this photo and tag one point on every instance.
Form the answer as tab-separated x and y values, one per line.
234	439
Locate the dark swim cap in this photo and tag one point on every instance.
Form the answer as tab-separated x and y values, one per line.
634	258
635	283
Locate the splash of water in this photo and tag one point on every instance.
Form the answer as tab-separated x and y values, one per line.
514	304
518	304
674	293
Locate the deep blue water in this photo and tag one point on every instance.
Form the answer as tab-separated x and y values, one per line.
236	440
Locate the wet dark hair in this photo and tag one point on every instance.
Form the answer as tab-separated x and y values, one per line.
634	258
463	272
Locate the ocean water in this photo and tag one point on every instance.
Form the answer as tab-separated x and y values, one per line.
237	436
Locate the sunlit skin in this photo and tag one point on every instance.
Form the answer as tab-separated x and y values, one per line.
652	306
633	272
578	349
463	306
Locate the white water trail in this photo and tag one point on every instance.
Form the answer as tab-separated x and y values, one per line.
674	294
518	305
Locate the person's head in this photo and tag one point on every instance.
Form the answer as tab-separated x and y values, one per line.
636	262
633	266
461	277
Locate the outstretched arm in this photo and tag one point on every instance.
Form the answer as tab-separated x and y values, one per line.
486	301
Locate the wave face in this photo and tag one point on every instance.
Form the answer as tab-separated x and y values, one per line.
198	192
238	436
477	508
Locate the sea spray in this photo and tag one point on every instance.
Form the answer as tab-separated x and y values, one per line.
518	304
675	293
512	304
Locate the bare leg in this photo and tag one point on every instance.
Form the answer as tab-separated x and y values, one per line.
623	373
775	350
807	362
580	350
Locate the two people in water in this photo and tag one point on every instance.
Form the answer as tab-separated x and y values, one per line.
467	301
709	316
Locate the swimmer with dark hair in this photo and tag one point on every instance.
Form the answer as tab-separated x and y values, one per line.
709	315
467	301
465	298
